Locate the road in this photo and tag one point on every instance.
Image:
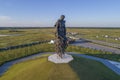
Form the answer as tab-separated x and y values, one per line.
95	46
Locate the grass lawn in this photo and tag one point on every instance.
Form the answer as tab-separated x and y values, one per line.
41	69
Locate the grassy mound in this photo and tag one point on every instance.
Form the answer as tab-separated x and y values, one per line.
41	69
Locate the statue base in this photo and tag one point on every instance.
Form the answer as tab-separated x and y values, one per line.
56	59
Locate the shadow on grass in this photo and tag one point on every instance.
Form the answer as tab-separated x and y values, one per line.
88	69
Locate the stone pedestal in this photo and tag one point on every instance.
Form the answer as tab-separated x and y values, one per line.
56	59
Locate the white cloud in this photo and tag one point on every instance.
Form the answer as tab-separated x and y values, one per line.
7	21
4	18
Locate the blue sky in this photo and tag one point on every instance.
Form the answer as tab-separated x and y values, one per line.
79	13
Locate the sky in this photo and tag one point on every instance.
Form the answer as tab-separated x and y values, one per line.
44	13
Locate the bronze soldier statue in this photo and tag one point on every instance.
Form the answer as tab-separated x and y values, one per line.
60	36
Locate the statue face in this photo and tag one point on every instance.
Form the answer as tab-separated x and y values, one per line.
62	17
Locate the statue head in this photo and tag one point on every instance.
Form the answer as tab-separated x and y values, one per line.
62	17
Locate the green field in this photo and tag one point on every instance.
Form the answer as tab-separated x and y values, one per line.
41	69
26	36
37	69
92	33
33	35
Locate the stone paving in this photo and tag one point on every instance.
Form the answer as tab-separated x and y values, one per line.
96	46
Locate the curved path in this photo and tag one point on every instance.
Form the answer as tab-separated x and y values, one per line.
96	46
7	65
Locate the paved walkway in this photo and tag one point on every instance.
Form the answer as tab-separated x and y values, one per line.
115	45
7	65
96	46
117	64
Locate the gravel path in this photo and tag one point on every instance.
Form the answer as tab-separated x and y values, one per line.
7	65
96	46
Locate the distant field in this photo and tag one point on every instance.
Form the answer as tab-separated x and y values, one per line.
107	35
23	36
